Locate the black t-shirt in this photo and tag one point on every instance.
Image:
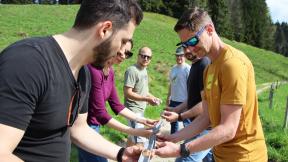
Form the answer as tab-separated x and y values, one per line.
36	86
195	81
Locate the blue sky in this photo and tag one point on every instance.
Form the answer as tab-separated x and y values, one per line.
278	10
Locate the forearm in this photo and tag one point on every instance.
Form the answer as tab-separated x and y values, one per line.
168	96
215	137
115	124
126	129
129	115
91	141
197	126
180	108
193	112
135	96
9	157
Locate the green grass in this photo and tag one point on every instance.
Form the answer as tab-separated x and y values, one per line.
272	121
156	31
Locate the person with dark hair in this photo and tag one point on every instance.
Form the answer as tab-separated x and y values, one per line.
229	98
44	87
103	89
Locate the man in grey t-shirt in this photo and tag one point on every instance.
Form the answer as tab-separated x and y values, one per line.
136	90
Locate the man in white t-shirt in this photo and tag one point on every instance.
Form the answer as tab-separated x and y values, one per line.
177	92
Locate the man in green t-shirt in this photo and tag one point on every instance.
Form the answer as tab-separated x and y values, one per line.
136	90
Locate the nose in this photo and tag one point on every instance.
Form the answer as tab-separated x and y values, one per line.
190	48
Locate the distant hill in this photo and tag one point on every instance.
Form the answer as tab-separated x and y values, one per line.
156	31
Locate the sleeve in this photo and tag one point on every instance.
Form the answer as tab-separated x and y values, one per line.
86	91
130	78
203	64
97	98
204	82
187	72
234	75
113	99
24	79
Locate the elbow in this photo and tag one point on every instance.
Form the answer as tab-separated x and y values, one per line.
229	134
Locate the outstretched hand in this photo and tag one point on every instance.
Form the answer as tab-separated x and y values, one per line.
170	116
167	149
143	132
148	122
132	154
165	137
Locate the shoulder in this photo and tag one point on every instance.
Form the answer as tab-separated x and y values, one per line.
132	70
187	66
94	71
205	61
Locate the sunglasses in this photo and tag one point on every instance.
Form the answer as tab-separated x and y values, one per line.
127	54
74	107
193	41
145	57
180	55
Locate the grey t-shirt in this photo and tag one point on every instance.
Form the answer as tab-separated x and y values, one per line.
137	79
178	81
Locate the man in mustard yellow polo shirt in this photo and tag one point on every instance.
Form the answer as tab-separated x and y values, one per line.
229	98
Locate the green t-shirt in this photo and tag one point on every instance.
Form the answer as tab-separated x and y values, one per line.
138	80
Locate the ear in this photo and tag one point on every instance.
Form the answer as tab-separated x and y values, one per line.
210	28
105	29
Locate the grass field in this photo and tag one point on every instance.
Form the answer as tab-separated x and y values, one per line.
156	31
273	120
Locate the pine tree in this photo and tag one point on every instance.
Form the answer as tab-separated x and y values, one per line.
218	10
236	21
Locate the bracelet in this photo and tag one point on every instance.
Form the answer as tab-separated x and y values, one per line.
120	154
180	117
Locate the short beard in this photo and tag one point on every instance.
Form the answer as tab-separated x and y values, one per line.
103	52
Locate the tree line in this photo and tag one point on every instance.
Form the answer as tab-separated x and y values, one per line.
240	20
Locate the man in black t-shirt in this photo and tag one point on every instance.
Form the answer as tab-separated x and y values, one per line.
44	87
192	107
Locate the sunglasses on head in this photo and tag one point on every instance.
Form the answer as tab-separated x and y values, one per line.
74	107
145	56
193	41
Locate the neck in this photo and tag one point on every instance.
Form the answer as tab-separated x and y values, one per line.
106	71
76	48
140	66
216	48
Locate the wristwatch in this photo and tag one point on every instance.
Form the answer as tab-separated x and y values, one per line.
184	152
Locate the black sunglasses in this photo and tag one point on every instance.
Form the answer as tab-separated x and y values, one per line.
128	54
145	56
74	107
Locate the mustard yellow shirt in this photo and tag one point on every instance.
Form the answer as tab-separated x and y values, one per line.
230	79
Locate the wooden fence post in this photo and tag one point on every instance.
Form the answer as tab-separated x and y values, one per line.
271	95
286	115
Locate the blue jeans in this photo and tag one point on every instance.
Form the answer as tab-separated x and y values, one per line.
175	125
84	156
205	155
